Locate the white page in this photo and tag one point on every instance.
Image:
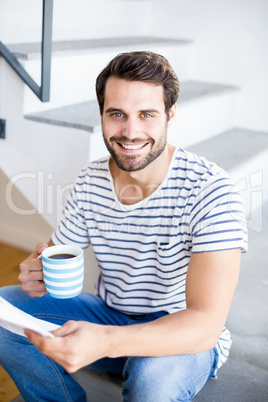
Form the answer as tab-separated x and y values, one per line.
15	320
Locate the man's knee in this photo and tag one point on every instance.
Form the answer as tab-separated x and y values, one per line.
162	379
153	379
10	293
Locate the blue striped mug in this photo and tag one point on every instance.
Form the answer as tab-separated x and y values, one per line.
63	270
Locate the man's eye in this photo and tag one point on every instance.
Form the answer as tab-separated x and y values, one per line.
146	115
117	114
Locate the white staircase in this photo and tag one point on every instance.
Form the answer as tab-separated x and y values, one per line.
52	142
47	144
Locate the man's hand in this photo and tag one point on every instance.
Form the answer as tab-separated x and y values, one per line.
76	344
31	273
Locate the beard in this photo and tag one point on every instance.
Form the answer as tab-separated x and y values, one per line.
133	163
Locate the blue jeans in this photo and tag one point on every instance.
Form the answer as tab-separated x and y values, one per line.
39	378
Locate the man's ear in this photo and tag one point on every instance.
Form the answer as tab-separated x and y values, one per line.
172	113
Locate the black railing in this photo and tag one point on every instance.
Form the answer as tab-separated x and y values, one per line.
42	92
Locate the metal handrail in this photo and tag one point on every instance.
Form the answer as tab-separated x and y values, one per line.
42	92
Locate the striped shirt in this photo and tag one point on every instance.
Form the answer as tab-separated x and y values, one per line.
143	250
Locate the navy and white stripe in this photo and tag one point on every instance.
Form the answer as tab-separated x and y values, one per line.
143	250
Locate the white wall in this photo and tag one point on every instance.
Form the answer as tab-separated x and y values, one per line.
231	39
41	161
20	20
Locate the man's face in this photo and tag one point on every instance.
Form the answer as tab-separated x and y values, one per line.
134	122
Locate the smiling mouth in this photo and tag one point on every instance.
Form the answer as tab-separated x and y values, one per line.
133	146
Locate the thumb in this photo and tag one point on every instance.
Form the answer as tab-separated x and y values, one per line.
66	329
39	248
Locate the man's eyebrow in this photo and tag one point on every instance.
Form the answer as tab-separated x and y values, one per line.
150	111
114	109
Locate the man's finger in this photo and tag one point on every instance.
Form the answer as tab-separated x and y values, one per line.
39	248
38	340
52	347
31	276
66	329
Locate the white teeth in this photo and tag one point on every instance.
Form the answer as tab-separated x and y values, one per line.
132	146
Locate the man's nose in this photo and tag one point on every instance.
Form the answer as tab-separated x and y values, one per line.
130	128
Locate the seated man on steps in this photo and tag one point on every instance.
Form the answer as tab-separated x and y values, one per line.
167	228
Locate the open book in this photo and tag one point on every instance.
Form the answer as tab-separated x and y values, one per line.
15	320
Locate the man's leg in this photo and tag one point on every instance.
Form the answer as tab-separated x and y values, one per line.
165	379
147	379
38	377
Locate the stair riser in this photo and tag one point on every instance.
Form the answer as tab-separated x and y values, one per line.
202	119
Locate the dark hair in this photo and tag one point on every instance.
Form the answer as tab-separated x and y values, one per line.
140	66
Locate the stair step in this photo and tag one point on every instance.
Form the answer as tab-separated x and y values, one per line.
232	148
82	116
28	51
193	90
85	115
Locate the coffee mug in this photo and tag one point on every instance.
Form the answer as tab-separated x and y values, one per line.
63	269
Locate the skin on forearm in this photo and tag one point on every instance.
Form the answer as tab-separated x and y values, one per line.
184	332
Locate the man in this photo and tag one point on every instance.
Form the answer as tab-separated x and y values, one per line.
167	229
